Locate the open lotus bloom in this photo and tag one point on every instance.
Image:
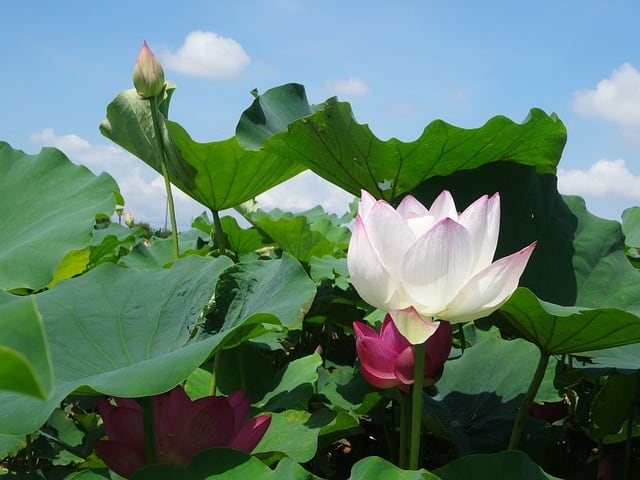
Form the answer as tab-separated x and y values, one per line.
183	428
423	265
387	359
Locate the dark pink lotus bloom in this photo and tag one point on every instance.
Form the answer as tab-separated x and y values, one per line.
183	428
387	359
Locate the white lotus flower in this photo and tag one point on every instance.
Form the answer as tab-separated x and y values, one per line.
423	265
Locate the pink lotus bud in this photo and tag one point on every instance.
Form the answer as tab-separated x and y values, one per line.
148	76
423	265
182	427
387	359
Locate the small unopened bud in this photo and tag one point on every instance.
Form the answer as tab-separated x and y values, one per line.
128	220
148	76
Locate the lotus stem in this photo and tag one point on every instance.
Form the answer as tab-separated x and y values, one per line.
416	407
165	173
149	429
214	372
219	233
527	401
405	423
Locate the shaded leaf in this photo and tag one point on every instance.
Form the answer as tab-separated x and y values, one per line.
381	469
221	464
478	395
509	465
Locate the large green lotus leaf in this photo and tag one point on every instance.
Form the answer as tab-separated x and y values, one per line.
346	153
612	404
508	465
381	469
605	278
479	394
225	464
48	206
558	330
218	174
120	332
25	364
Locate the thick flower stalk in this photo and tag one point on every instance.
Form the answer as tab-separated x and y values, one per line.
387	359
182	427
423	265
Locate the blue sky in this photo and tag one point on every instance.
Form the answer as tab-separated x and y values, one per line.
400	64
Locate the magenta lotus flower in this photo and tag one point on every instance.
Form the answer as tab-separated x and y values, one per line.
183	428
387	359
423	265
148	75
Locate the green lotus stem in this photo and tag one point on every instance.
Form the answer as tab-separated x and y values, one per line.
219	233
405	423
214	372
416	407
165	173
527	401
626	475
149	429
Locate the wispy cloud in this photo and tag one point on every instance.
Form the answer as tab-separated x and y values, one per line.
351	86
207	54
615	99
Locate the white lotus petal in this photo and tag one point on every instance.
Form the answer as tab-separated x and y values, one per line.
436	266
412	326
482	220
410	208
489	289
368	275
389	235
444	206
365	204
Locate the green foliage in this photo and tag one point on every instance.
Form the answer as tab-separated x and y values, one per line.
269	307
48	207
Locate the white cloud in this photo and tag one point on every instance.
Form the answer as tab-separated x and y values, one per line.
605	178
348	86
305	191
207	54
615	99
141	186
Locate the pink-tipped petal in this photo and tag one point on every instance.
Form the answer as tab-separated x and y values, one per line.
482	221
377	362
489	289
438	347
412	325
363	330
391	336
250	434
241	406
404	367
411	208
444	207
365	204
436	267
